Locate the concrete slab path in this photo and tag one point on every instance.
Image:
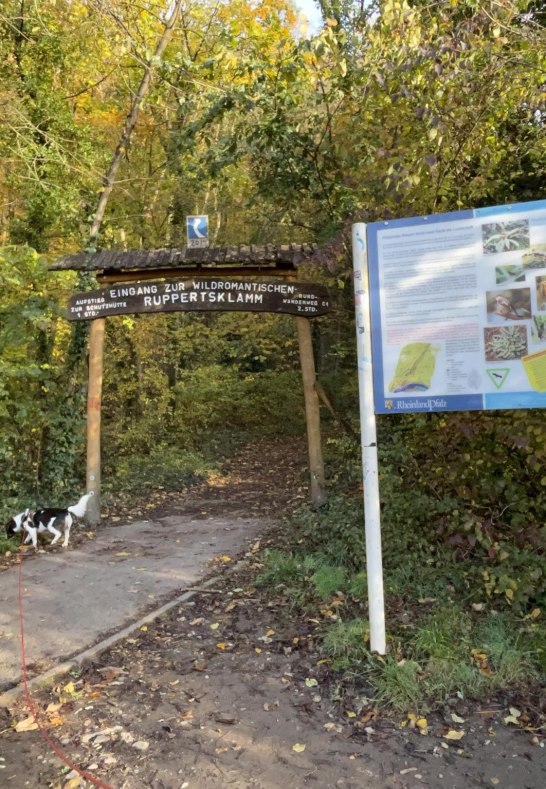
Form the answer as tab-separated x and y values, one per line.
75	597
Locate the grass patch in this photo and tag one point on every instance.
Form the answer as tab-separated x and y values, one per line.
509	651
312	574
397	685
451	652
280	569
357	587
445	635
464	601
449	656
409	685
328	579
346	644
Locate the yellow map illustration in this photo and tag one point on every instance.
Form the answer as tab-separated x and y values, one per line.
535	367
415	367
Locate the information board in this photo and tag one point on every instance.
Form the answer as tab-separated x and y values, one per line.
199	294
458	310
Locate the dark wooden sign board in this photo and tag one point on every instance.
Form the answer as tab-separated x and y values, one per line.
194	294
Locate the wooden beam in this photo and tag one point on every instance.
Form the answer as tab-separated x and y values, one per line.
194	271
94	397
312	412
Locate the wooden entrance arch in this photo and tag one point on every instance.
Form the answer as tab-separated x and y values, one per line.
115	270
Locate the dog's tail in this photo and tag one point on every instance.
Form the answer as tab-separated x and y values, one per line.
79	509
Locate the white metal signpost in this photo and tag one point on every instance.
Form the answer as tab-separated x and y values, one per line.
372	517
452	310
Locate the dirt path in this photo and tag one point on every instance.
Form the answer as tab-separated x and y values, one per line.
222	691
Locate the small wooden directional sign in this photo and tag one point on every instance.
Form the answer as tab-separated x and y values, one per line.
199	294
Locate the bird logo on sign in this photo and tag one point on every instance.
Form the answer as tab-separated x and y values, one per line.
198	231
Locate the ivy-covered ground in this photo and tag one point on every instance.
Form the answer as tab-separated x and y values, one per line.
264	677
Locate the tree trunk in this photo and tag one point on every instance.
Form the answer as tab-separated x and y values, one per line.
96	340
312	412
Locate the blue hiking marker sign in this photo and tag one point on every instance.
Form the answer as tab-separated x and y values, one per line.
197	228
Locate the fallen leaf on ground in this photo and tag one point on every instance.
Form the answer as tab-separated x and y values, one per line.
513	717
28	724
333	727
73	783
453	734
298	747
371	714
55	719
422	725
480	658
53	707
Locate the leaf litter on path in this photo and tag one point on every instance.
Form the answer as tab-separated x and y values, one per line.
211	716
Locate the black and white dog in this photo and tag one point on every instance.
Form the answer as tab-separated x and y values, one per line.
51	519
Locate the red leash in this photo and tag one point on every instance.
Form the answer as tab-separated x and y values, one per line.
31	706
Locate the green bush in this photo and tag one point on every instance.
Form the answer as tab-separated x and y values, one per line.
213	401
335	532
164	467
42	410
463	506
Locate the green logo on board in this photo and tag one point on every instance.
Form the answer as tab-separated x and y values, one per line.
498	375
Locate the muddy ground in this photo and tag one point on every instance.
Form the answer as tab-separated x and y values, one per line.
229	690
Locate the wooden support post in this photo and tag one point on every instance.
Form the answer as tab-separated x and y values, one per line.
94	396
312	412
